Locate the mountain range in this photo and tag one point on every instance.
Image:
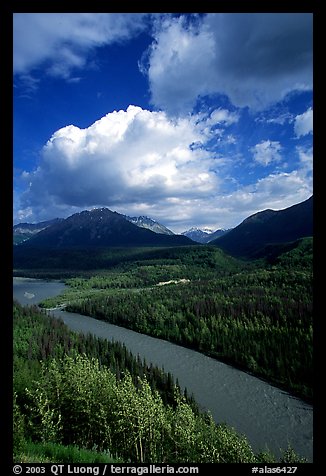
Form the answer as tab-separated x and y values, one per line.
99	228
255	237
24	231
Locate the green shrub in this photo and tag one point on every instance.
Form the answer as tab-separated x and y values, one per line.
18	428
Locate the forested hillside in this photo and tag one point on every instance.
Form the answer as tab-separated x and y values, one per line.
74	391
257	316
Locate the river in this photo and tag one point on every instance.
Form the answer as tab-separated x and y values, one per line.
269	417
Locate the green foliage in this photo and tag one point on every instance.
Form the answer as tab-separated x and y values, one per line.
45	421
66	405
18	428
85	392
35	452
39	337
289	456
56	263
256	316
300	255
259	319
77	401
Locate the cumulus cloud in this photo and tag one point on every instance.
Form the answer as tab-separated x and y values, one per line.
254	59
140	162
266	152
133	156
179	63
63	40
303	123
169	165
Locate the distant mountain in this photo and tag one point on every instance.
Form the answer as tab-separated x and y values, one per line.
255	236
218	233
99	228
146	222
197	234
205	235
24	231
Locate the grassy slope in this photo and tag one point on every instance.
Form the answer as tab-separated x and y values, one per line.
55	453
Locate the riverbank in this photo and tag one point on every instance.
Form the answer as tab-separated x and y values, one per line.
267	415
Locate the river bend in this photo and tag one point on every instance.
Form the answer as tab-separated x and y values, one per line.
268	416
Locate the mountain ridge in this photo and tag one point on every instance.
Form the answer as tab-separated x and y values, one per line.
103	227
267	228
100	228
24	231
146	222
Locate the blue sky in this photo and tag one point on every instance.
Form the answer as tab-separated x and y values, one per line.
191	119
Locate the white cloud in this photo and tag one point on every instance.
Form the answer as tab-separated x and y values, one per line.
223	116
266	152
63	41
275	191
133	156
306	159
254	59
303	123
179	64
142	162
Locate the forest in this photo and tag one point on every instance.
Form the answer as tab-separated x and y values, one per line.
75	394
255	315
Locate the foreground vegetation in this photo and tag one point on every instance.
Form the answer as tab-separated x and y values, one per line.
37	452
255	315
70	405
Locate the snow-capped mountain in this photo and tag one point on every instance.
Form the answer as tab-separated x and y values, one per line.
203	235
197	234
150	224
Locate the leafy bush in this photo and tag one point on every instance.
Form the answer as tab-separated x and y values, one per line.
18	428
78	403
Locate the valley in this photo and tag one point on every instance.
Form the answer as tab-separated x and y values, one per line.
267	416
253	314
163	240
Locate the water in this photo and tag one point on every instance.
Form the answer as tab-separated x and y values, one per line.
32	291
269	417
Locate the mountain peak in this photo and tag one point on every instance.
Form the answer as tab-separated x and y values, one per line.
203	230
100	227
260	217
146	222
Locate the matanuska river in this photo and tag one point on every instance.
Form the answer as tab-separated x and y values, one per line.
267	416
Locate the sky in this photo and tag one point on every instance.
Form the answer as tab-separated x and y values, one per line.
191	119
